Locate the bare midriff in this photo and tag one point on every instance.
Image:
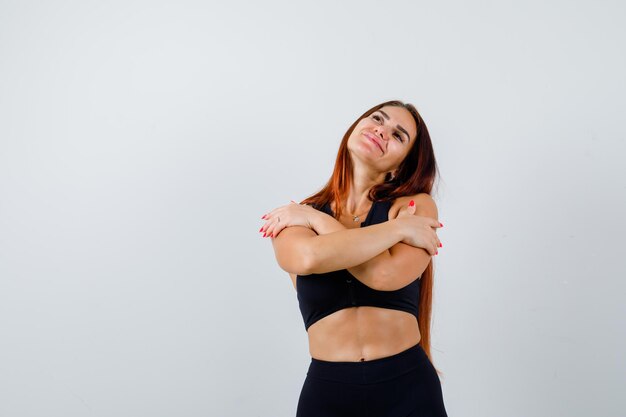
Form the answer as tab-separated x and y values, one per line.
364	333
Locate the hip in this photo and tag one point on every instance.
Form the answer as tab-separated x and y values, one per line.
403	385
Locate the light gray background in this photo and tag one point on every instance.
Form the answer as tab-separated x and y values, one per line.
140	142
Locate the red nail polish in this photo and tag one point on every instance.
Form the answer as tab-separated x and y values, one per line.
436	252
263	234
264	216
412	203
261	229
440	245
440	224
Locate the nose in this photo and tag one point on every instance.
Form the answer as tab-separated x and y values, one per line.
380	130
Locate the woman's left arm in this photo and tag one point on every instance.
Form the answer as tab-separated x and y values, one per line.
322	224
365	272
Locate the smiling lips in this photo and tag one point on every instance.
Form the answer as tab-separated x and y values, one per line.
373	139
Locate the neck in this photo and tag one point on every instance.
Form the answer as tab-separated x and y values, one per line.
362	181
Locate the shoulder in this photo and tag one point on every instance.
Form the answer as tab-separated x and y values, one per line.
424	205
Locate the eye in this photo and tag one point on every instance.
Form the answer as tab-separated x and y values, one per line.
396	134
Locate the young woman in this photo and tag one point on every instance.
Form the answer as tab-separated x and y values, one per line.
359	255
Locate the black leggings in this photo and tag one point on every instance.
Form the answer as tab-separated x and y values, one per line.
403	385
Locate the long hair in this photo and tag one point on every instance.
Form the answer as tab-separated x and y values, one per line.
416	174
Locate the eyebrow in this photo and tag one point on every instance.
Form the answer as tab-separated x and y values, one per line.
400	128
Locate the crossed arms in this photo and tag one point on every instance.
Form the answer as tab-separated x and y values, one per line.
375	255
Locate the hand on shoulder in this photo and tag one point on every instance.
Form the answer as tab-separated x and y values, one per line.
424	205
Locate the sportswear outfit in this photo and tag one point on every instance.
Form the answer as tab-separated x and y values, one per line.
402	385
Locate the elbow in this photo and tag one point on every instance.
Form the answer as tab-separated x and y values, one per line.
382	273
300	262
308	262
381	280
299	266
382	286
310	258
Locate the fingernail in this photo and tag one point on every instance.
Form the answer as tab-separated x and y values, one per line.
440	245
440	224
411	203
264	234
261	229
436	252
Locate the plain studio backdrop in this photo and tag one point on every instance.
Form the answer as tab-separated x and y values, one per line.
141	142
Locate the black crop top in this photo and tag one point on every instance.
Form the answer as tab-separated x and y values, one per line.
320	295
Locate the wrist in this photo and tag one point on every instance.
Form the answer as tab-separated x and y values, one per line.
314	220
397	230
324	224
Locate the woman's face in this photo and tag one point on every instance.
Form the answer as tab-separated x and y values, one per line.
383	139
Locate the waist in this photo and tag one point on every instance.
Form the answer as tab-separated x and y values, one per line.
371	371
362	332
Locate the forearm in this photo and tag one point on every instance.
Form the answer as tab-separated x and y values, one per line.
368	271
343	248
324	224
